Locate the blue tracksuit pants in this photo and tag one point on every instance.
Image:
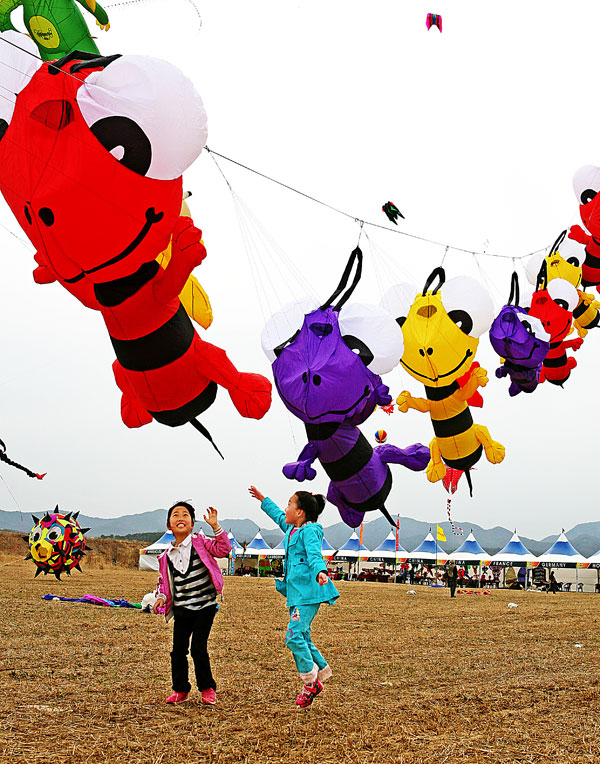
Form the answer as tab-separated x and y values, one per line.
298	640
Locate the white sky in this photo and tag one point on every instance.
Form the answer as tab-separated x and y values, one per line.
475	134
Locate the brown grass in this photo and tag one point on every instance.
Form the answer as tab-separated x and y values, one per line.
416	680
103	553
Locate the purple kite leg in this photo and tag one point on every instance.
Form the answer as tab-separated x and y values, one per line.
415	457
349	515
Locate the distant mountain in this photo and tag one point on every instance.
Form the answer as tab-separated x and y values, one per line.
584	537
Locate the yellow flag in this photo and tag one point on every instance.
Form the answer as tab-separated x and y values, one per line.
441	536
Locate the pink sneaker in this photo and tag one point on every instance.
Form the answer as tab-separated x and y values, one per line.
209	697
178	697
308	694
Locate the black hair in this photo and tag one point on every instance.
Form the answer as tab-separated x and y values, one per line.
185	504
312	504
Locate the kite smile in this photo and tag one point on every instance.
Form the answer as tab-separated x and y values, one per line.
303	413
468	354
152	216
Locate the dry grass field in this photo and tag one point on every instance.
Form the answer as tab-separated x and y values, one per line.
416	678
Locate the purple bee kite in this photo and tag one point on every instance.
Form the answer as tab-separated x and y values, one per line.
326	365
522	341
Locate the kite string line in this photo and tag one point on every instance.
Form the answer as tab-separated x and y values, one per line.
252	253
4	564
365	222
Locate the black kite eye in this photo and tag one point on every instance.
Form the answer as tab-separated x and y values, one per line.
54	534
587	195
126	141
462	319
360	348
46	216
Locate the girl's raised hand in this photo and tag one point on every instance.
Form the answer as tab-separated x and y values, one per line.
211	518
253	491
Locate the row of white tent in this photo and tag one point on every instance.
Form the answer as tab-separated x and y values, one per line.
561	554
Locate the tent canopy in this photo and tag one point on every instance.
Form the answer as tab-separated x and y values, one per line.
149	555
428	551
515	552
352	550
469	551
561	554
387	550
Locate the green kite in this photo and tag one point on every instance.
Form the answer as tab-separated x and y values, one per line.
56	26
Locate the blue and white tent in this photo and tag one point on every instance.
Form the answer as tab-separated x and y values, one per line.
428	551
149	555
258	547
278	551
562	554
236	547
469	552
387	550
352	550
514	553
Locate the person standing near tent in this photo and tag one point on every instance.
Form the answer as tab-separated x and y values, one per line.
188	583
305	584
452	577
553	583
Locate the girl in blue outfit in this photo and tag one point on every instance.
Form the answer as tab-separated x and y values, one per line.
305	583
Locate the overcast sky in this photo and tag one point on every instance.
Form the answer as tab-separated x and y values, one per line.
474	133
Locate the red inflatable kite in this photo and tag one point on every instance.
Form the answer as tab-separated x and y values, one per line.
91	155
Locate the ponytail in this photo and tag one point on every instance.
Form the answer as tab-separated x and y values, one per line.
312	504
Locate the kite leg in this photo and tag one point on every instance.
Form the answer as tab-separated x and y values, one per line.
494	451
349	515
133	413
250	393
436	469
415	457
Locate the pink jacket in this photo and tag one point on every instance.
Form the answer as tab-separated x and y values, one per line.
207	550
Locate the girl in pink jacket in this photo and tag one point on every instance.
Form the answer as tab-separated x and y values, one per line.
188	584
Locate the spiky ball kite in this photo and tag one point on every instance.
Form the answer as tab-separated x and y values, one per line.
56	543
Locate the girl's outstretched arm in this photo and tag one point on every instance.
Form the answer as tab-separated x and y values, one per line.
269	507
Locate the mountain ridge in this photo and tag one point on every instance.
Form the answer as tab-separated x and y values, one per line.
585	537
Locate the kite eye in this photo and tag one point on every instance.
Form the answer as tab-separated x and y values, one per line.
36	535
283	327
398	300
373	334
534	326
126	141
468	303
55	532
587	195
19	61
586	183
533	266
147	114
564	294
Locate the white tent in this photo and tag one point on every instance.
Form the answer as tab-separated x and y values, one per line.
387	550
514	553
352	550
149	555
258	547
562	554
469	552
428	551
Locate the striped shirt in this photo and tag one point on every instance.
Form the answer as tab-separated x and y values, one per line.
194	588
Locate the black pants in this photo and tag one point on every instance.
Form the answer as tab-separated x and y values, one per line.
197	625
452	585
